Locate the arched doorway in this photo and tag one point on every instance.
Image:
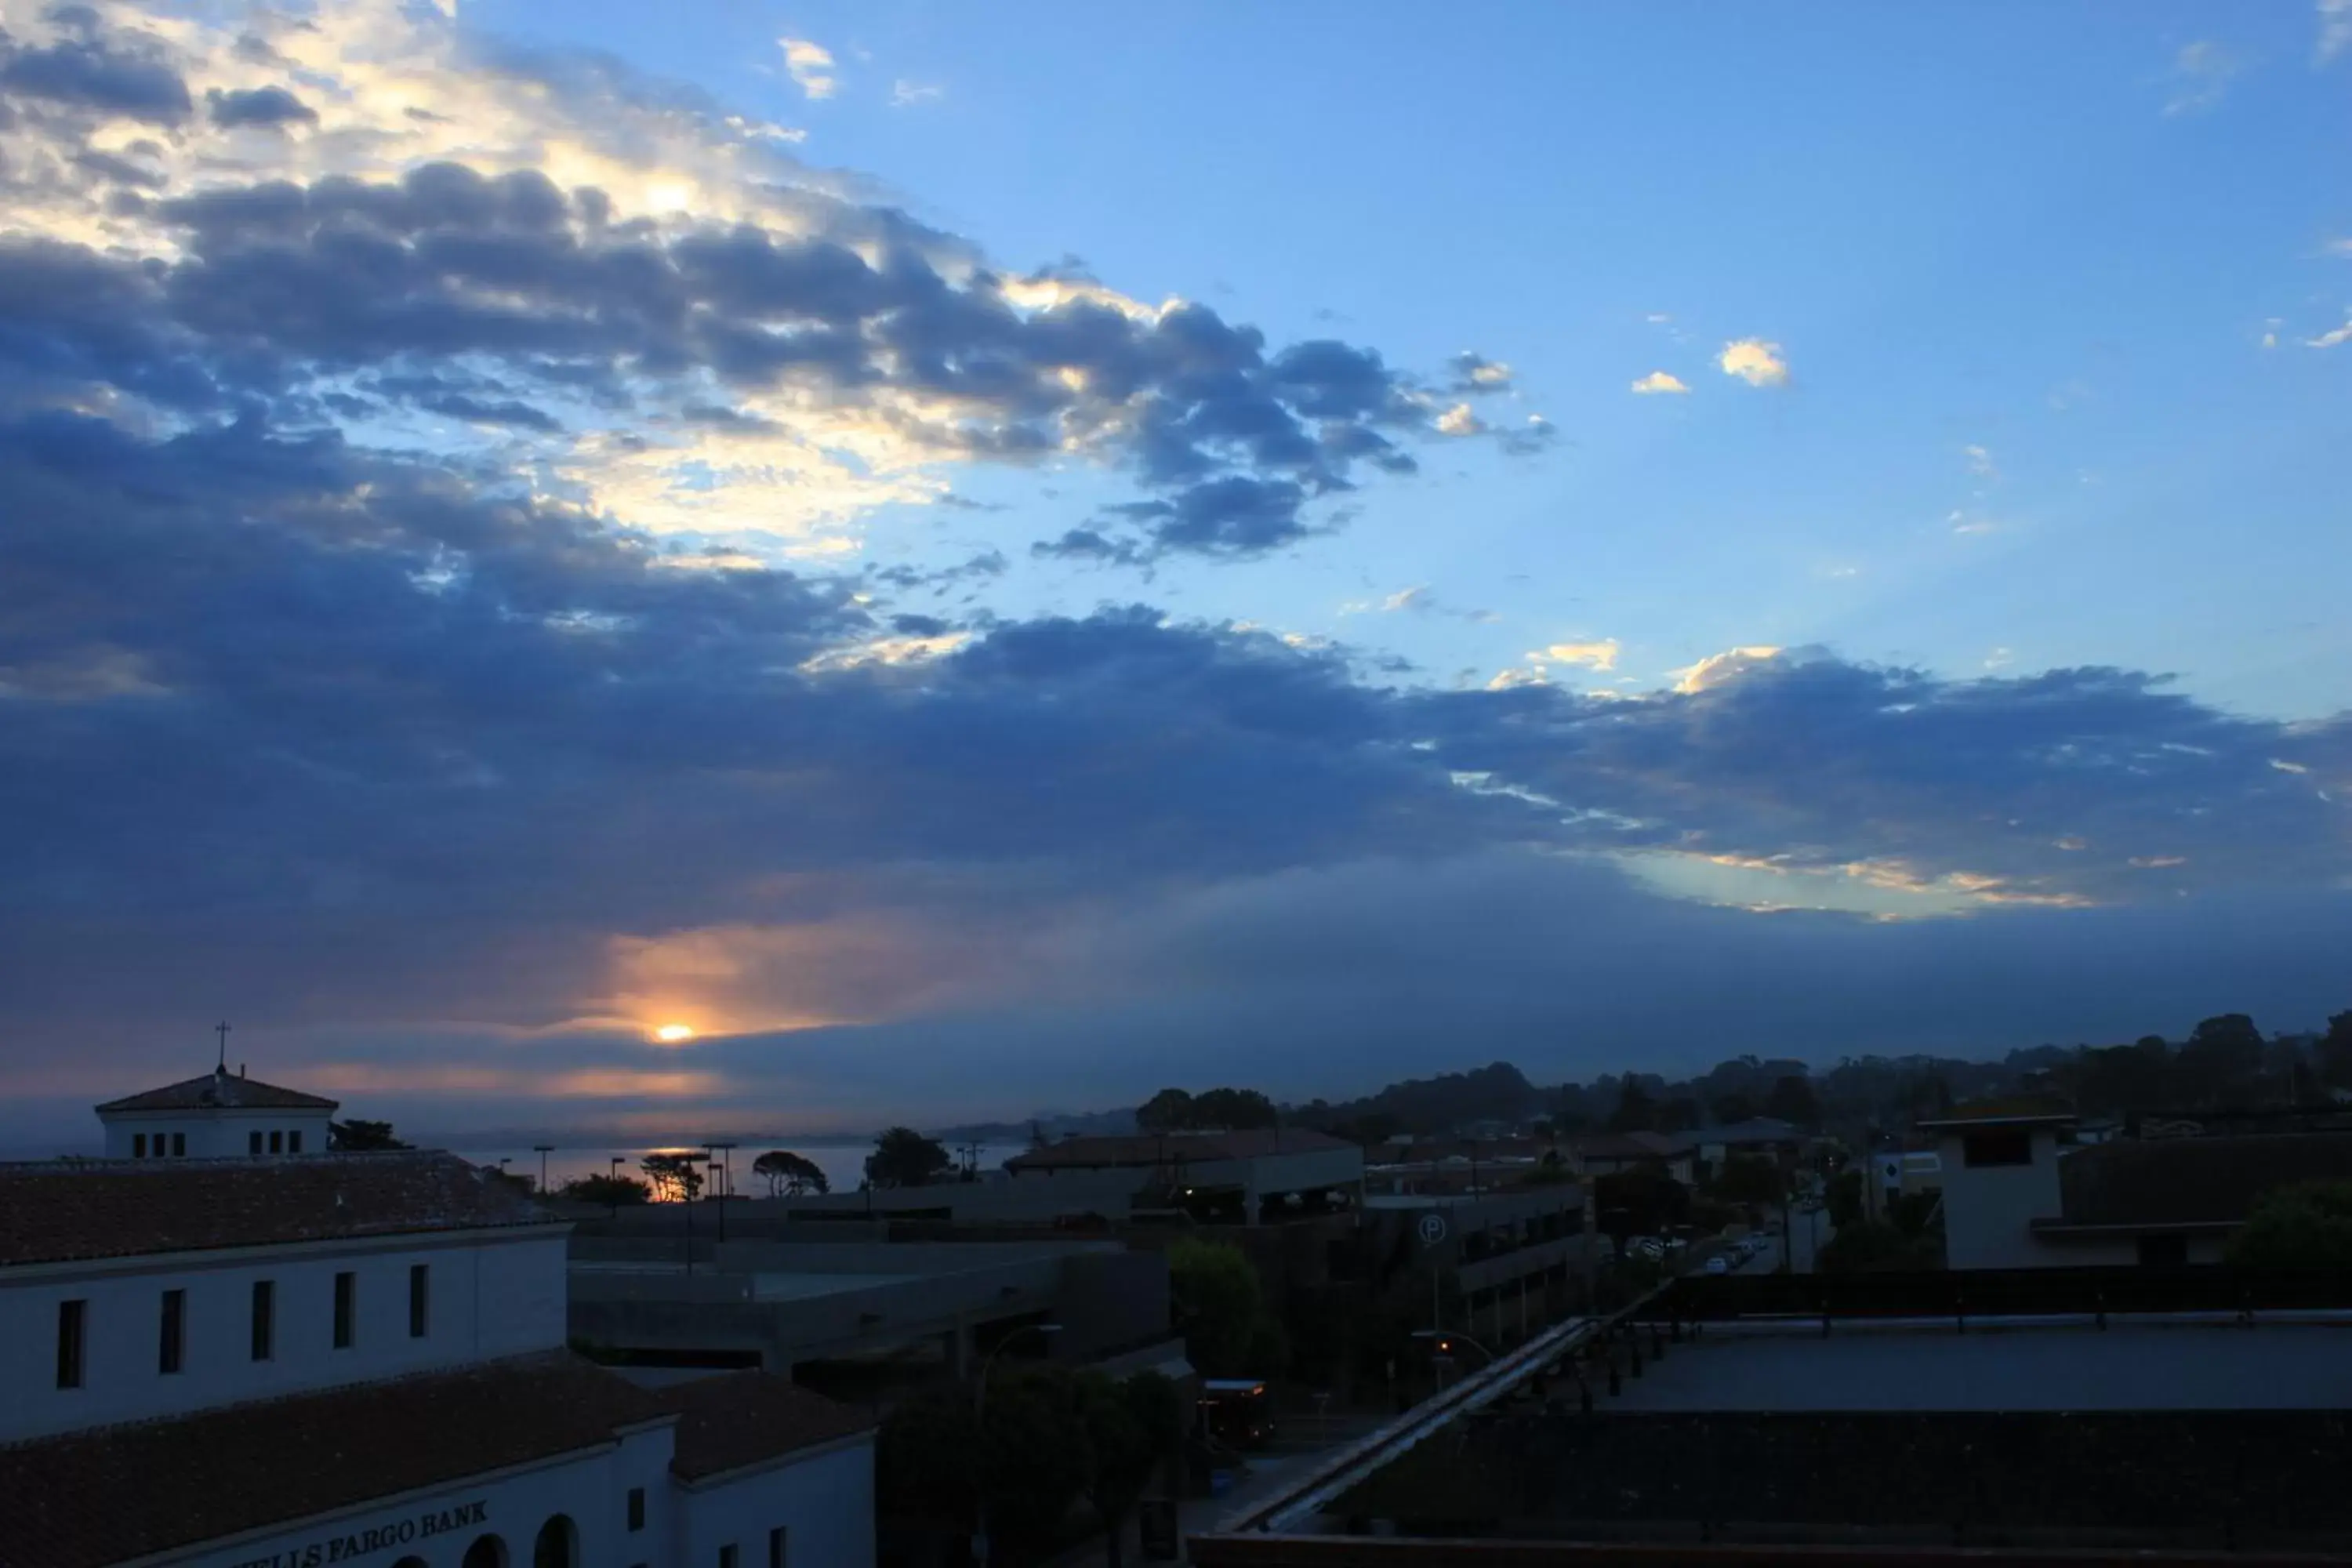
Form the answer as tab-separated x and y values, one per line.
558	1545
488	1552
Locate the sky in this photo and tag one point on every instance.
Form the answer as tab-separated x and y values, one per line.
672	569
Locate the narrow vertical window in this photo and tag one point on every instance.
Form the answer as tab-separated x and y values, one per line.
727	1556
420	1299
637	1508
346	1285
294	1141
776	1548
264	1319
138	1145
253	1142
277	1143
179	1144
72	1315
174	1341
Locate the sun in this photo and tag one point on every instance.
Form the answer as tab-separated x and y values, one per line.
674	1034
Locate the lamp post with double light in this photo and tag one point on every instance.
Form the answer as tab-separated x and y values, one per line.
979	1429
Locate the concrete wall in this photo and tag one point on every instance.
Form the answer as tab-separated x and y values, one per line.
1989	1210
216	1134
824	1501
589	1490
493	1293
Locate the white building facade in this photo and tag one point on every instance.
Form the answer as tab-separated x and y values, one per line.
289	1362
216	1117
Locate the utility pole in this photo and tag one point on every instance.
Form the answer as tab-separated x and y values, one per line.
221	1029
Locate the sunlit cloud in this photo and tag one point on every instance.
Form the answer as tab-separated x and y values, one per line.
1459	420
810	66
2330	340
1755	362
1601	654
1719	668
1659	381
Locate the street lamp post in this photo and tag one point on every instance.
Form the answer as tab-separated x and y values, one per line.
1442	1341
613	1168
542	1151
978	1409
724	1170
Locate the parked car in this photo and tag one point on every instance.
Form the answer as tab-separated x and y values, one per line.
1719	1264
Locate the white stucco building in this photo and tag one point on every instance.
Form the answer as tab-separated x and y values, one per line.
308	1359
214	1117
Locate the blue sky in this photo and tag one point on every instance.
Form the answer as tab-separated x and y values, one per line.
948	564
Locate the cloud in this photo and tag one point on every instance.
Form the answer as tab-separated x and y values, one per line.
1418	601
2329	339
2334	28
421	623
682	264
905	94
268	106
1980	461
1474	376
810	66
1459	420
1601	654
1755	362
1659	381
2200	77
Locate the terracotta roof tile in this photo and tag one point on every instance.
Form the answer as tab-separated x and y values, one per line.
740	1418
70	1211
221	1091
118	1493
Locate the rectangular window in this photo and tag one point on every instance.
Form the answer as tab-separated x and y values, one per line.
70	1319
294	1141
179	1144
420	1299
264	1319
277	1143
637	1508
727	1557
176	1333
346	1287
2004	1147
253	1142
776	1553
138	1145
2164	1252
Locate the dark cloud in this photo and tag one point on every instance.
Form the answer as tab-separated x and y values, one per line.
116	76
259	106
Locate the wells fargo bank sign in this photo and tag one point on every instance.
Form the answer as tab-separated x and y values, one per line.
383	1537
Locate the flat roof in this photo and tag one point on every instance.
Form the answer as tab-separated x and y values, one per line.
2129	1366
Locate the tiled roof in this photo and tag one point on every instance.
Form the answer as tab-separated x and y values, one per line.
220	1092
72	1211
741	1418
2193	1180
118	1493
1150	1148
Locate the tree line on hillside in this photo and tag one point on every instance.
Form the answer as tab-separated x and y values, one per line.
2224	1063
